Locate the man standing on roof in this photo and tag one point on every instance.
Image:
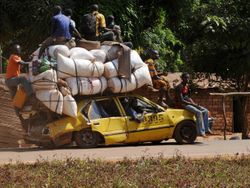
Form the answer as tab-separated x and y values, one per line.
158	82
60	30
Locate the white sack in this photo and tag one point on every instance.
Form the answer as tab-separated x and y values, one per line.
81	53
45	81
121	85
111	67
78	67
69	106
139	78
58	49
99	55
52	99
142	76
87	86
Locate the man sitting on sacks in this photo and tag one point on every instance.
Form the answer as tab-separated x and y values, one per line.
13	79
93	26
61	27
158	82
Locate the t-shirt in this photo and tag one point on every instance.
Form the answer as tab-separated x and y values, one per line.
100	21
13	67
151	68
185	91
61	26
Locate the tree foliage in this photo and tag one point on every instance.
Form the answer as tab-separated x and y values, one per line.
198	35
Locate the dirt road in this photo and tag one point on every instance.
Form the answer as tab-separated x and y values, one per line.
167	149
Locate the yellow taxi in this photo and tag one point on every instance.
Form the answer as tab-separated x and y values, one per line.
109	120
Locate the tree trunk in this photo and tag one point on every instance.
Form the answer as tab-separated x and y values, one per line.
243	100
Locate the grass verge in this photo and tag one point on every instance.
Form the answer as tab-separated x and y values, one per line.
144	172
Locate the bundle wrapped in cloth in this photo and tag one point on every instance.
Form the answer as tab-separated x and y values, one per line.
78	71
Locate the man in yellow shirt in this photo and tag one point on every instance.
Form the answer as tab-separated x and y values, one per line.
100	32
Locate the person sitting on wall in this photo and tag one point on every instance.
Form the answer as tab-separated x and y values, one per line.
183	100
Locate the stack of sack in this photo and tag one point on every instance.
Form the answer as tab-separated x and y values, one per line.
63	73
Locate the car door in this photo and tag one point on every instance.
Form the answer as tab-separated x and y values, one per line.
105	117
155	124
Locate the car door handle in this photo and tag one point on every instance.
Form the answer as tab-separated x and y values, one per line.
96	123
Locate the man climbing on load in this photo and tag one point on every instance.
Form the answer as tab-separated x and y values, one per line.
13	79
158	82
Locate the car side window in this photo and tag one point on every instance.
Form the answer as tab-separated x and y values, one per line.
103	109
138	105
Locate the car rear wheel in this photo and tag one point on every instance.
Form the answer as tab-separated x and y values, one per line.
86	139
185	132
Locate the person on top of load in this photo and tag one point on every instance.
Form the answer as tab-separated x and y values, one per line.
93	26
183	100
60	27
69	13
158	82
115	28
13	79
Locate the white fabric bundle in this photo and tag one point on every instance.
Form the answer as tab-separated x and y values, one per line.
78	67
69	106
111	67
142	76
81	53
87	86
52	99
121	85
139	78
58	49
45	81
99	55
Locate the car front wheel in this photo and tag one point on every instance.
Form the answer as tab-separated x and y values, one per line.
185	132
86	139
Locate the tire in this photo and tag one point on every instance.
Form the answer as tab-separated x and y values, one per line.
185	132
86	139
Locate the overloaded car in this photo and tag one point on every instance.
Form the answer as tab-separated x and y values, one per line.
117	119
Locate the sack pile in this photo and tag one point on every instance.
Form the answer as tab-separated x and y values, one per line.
63	73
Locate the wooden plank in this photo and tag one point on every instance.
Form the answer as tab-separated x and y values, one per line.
231	94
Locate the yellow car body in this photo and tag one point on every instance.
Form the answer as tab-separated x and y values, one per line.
91	127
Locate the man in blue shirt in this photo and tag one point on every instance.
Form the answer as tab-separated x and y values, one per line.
60	32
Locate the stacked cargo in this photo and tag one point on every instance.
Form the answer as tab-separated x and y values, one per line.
78	71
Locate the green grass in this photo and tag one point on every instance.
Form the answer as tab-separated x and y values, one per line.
145	172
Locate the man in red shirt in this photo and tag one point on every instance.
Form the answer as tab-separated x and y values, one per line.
12	74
